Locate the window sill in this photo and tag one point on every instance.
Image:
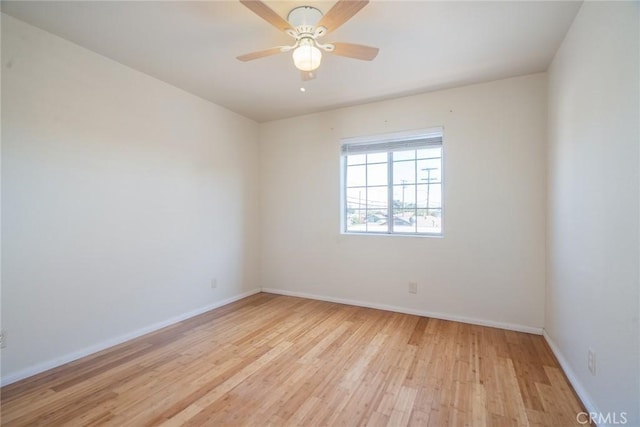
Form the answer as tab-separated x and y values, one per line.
428	235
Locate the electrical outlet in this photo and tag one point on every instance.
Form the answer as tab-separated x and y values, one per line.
3	339
591	361
214	283
413	287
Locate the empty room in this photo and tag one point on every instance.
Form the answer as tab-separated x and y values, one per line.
320	213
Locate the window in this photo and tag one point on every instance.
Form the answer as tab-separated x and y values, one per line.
392	184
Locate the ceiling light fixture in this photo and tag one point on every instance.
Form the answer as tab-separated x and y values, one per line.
307	56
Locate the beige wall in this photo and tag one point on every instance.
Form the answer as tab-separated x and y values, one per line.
122	197
489	267
594	183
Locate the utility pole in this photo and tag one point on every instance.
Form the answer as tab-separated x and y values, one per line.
428	179
404	185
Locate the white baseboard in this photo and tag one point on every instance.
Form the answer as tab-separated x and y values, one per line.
45	366
443	316
573	379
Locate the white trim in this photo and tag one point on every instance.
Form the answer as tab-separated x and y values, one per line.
45	366
573	379
436	315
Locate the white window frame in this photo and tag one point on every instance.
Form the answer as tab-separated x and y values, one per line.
422	138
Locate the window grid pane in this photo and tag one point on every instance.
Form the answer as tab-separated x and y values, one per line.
396	192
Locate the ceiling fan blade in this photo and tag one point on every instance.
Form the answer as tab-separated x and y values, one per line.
307	75
340	13
260	54
266	13
357	51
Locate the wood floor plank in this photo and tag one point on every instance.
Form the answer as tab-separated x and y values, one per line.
279	360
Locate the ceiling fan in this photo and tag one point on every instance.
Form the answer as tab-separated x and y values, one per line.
306	24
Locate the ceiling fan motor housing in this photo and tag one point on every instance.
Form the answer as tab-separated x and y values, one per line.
304	19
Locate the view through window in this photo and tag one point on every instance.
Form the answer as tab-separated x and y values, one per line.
393	185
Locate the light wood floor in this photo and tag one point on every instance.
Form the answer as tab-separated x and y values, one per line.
275	360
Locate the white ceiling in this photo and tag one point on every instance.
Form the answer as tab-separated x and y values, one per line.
424	46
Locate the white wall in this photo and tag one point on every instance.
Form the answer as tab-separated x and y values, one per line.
593	257
489	266
122	197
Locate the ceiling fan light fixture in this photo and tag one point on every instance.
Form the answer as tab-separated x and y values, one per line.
307	56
